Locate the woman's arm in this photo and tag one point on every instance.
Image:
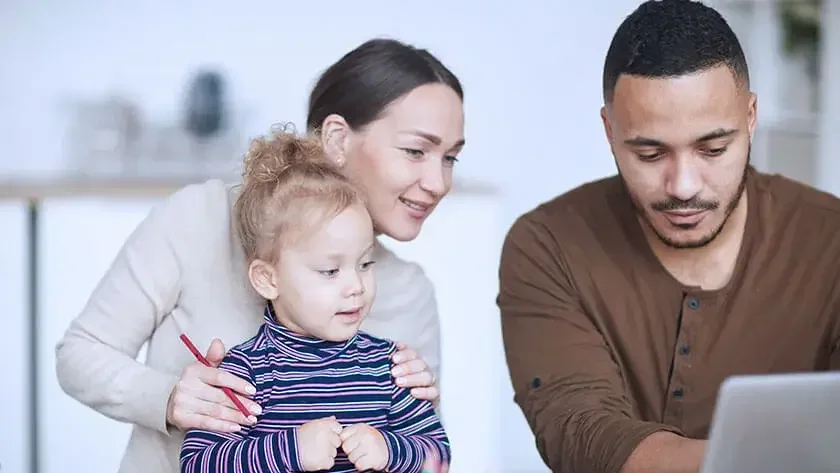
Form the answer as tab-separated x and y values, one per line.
417	361
406	312
206	450
95	360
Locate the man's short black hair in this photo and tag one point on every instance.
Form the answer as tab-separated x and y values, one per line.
672	38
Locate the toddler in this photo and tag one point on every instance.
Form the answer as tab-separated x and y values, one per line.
329	402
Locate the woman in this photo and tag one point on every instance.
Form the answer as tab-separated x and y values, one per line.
391	117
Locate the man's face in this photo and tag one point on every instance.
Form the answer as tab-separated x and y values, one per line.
682	148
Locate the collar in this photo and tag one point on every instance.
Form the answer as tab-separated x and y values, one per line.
295	345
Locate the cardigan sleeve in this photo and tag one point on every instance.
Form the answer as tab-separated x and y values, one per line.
406	308
425	319
95	359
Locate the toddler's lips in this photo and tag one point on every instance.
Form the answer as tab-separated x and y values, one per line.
350	316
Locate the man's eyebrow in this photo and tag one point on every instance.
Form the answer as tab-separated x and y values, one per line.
717	134
642	141
654	143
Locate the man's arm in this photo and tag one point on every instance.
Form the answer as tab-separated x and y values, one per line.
666	452
564	378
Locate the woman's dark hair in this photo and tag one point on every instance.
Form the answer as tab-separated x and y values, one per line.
367	79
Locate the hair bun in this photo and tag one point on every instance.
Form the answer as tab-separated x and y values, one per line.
270	156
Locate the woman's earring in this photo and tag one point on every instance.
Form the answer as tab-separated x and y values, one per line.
339	161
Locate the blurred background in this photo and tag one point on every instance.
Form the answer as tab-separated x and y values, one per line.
97	124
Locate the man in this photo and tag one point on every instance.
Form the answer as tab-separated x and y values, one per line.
627	301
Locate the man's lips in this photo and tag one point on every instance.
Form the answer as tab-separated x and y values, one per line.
684	217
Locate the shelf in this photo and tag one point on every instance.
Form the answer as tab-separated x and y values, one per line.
122	186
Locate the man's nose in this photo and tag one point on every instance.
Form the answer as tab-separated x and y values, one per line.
684	180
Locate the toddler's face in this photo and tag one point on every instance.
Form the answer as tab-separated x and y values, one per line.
326	284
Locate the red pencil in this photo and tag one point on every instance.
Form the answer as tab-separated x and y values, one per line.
228	391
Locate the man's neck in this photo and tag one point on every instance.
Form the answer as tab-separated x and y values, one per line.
711	266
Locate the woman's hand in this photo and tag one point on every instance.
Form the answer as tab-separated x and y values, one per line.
197	401
412	372
433	466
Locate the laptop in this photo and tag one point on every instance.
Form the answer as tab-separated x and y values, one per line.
780	423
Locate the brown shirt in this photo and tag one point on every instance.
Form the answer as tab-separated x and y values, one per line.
605	347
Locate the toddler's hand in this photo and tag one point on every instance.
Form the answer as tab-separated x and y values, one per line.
365	447
318	442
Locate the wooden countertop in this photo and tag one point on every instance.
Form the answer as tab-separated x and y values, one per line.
126	186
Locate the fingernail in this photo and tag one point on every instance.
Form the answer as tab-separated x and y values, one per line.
251	390
252	420
397	371
396	358
401	381
235	428
256	409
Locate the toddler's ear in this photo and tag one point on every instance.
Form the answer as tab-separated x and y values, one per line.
263	277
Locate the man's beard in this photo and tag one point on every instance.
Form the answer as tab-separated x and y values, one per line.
692	204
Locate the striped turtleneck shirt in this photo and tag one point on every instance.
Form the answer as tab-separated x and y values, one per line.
300	379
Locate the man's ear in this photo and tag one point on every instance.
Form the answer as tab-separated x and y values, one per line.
263	277
606	121
334	137
752	114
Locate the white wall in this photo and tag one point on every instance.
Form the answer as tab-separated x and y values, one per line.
829	144
531	74
72	259
15	346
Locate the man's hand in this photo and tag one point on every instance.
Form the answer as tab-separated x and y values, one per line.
664	452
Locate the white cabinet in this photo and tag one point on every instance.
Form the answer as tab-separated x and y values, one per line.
79	239
15	346
459	249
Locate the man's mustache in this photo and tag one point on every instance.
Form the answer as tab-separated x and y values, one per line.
691	204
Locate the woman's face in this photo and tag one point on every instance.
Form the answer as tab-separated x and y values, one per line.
403	161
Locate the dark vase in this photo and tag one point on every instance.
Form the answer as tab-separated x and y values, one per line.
205	105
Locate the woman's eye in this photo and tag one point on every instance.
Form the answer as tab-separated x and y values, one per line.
416	153
367	265
328	272
450	160
716	151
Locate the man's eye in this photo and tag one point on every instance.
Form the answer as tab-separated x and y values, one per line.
649	157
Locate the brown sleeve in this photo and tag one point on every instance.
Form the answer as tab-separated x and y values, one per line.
564	378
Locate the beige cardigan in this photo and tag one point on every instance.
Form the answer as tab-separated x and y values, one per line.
183	269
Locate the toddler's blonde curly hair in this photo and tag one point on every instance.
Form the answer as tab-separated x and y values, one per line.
289	188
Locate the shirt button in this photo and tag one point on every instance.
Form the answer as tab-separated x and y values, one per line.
678	394
536	382
693	303
685	350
